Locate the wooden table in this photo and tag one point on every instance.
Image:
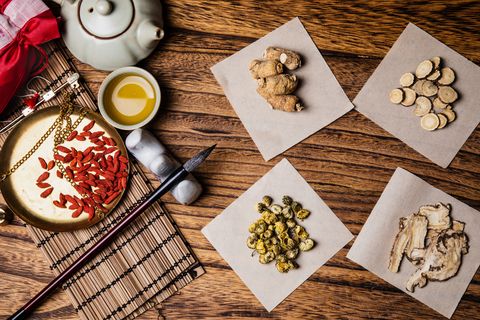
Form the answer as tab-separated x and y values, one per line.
348	163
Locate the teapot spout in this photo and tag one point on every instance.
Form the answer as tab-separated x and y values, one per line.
149	34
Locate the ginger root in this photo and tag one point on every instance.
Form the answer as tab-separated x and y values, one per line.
277	85
273	85
286	102
265	68
289	58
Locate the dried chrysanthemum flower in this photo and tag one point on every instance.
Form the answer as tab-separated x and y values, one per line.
252	241
302	214
260	246
287	200
296	206
259	207
267	200
276	208
306	245
276	235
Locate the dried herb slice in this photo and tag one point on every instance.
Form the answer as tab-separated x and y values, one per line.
424	105
435	75
409	97
430	122
450	114
447	94
429	88
448	76
407	79
436	62
437	103
443	120
396	96
424	69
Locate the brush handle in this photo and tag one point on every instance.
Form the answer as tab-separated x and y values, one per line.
176	176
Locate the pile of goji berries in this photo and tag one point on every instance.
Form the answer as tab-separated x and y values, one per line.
100	172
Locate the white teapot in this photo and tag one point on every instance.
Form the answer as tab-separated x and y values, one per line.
109	34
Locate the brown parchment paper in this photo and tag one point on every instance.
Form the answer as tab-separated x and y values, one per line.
228	233
403	195
275	131
413	46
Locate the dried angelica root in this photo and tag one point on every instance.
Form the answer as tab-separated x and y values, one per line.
289	58
277	85
265	68
286	102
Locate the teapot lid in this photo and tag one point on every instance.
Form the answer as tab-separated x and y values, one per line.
106	19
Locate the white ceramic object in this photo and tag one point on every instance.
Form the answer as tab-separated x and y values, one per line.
153	155
135	71
109	34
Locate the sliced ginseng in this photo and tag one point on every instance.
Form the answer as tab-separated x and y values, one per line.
447	94
265	68
289	58
443	120
396	96
448	76
407	79
436	62
409	97
430	122
278	84
424	69
435	75
437	103
450	114
418	87
429	88
424	105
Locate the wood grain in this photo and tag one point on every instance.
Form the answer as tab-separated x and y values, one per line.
348	163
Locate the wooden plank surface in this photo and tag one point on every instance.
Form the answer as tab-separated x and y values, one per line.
348	163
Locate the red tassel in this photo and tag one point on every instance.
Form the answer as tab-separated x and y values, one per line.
32	101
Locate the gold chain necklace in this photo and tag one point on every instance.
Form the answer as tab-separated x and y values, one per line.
63	126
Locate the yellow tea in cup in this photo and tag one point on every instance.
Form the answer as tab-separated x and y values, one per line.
129	99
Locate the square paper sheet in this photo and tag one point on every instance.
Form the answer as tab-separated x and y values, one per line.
404	194
228	233
275	131
412	47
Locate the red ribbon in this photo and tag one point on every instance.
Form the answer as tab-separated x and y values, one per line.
23	57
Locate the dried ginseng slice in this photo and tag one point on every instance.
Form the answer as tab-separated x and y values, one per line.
407	79
443	120
424	105
409	97
450	114
448	76
437	103
430	122
424	69
447	94
435	75
396	96
418	87
436	62
429	88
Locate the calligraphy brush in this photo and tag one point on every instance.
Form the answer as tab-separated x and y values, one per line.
174	178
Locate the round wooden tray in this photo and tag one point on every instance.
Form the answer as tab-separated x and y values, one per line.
20	190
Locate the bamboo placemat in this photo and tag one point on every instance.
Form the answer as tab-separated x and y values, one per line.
148	263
